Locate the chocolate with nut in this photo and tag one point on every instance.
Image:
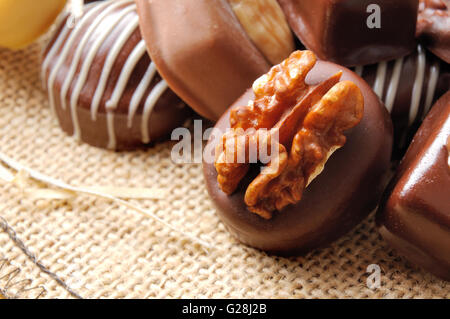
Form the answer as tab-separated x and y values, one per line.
308	121
415	214
433	27
197	46
305	196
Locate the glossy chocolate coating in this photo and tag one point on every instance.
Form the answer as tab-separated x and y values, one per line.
415	214
433	27
409	94
113	25
338	199
337	31
201	50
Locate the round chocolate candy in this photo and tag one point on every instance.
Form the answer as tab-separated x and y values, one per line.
346	191
414	216
210	52
101	83
408	86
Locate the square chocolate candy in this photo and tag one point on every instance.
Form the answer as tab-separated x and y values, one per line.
354	32
415	215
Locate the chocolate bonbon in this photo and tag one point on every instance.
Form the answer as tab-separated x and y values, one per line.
335	201
198	46
343	31
408	86
433	27
103	86
266	25
415	214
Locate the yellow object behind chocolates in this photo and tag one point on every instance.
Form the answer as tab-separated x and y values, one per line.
23	21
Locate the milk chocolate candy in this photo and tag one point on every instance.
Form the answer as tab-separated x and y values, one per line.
433	27
347	189
197	46
102	84
354	32
408	86
415	214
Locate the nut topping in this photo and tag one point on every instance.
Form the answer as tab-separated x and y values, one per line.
299	126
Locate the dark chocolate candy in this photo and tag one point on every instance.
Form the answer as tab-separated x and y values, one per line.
415	214
408	86
345	192
433	27
102	84
201	50
337	30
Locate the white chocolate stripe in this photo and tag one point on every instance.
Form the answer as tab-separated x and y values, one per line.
140	91
59	41
418	85
359	70
66	50
136	55
45	64
393	84
431	88
87	64
112	143
86	50
109	63
51	53
68	46
150	103
380	79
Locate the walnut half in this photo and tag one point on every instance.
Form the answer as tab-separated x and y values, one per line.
308	122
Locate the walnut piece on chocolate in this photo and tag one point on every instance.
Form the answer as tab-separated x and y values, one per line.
300	126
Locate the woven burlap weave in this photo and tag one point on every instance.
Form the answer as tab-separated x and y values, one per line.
92	248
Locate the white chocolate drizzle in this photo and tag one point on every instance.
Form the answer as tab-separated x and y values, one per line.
110	125
140	91
418	85
378	87
65	50
154	96
394	82
431	88
359	70
107	68
84	41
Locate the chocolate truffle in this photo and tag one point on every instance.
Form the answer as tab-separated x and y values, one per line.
101	83
350	33
346	191
202	51
433	27
408	86
414	216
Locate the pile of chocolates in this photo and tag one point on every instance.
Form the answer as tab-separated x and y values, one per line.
331	91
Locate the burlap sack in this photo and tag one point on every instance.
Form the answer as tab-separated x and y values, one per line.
93	248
